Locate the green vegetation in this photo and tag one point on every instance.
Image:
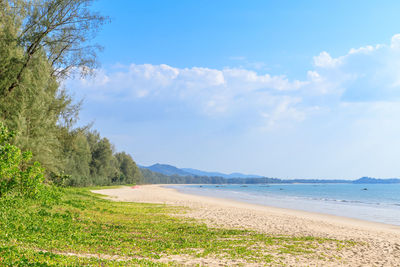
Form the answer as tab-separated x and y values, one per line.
151	177
73	220
42	220
41	224
17	175
41	43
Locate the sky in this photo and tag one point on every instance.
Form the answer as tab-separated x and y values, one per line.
287	89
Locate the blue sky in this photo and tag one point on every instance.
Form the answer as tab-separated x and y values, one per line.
290	89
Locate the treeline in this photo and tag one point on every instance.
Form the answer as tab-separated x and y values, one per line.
150	177
41	43
92	160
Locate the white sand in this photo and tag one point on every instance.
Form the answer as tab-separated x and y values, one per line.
379	243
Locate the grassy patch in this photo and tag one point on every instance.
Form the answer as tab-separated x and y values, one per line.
82	223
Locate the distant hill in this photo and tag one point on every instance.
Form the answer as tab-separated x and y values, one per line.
219	174
164	173
172	170
152	177
167	169
368	180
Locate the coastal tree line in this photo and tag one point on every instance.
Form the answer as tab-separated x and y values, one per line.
42	43
152	177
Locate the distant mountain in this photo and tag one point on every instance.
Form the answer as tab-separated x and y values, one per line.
219	174
173	174
172	170
167	169
368	180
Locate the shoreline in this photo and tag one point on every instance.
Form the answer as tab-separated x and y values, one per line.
381	241
300	213
289	209
171	196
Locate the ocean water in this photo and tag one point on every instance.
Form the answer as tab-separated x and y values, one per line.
371	202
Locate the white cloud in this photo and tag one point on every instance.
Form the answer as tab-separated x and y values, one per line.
283	111
324	60
395	44
369	73
341	119
209	92
364	49
365	74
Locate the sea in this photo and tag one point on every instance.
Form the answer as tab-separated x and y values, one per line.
371	202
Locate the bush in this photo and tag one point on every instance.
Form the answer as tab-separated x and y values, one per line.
17	174
60	179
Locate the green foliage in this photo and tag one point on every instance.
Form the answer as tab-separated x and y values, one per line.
77	157
150	177
103	164
60	179
17	175
36	106
129	172
58	30
40	42
91	160
17	256
83	224
10	52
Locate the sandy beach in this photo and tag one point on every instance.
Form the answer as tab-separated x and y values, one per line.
377	244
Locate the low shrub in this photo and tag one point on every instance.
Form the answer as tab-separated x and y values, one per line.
17	174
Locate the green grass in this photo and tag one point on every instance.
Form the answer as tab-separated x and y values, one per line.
40	233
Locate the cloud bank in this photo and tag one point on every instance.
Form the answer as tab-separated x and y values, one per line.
342	117
367	74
